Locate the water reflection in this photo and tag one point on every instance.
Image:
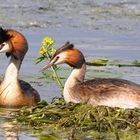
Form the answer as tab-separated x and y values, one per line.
10	132
10	128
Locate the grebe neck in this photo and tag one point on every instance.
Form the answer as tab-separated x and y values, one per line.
12	70
75	78
77	75
10	85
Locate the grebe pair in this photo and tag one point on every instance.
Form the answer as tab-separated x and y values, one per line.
108	92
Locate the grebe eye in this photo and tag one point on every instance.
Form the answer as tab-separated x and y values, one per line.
2	45
57	57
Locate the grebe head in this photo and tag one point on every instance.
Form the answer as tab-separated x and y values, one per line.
67	54
4	41
13	43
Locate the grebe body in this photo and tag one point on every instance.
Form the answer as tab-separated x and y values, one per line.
15	92
108	92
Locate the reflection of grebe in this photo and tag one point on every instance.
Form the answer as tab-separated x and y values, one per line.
10	132
14	92
108	92
10	128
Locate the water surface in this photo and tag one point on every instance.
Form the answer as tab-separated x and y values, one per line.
100	29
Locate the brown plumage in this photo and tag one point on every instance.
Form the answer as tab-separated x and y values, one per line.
108	92
14	92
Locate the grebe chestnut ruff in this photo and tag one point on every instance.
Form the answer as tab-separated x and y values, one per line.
14	92
109	92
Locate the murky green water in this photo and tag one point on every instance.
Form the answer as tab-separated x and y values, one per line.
100	29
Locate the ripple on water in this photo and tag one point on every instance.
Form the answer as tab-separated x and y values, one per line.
77	14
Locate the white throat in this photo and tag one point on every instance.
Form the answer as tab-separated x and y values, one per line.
76	77
12	70
7	47
10	81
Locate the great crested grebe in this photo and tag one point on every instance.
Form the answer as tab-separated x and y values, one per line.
14	92
108	92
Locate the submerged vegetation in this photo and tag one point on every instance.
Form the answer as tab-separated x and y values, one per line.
59	120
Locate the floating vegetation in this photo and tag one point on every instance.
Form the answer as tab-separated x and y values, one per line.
81	118
136	62
119	63
98	62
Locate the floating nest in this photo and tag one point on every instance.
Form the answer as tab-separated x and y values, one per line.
84	118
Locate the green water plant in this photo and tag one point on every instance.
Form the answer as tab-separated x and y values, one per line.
136	62
119	63
98	62
46	51
81	118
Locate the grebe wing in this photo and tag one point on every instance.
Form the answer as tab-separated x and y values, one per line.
107	82
29	90
110	87
111	92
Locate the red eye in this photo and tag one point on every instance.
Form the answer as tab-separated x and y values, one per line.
57	57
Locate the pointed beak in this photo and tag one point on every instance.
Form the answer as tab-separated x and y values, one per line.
51	63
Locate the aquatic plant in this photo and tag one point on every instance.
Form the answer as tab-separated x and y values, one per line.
98	62
84	119
119	63
46	51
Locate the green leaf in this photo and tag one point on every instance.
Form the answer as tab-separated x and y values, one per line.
136	62
98	62
38	60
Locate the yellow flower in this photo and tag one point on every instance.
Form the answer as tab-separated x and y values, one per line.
42	50
52	51
47	41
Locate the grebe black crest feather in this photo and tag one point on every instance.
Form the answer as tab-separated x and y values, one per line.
4	36
67	46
